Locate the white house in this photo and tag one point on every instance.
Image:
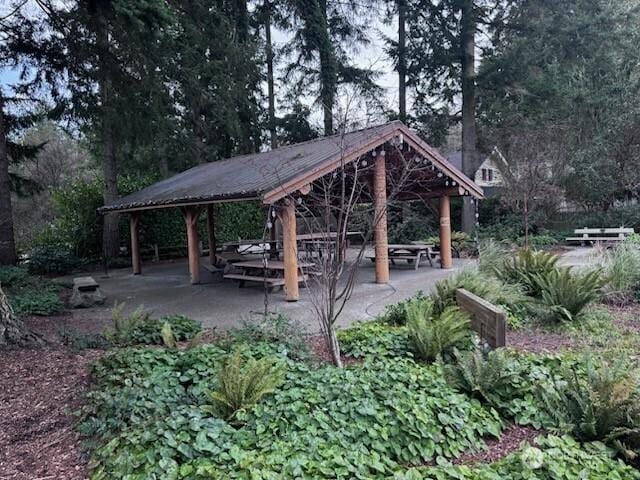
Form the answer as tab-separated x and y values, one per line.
489	174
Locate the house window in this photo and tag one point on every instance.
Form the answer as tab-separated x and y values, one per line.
484	174
490	174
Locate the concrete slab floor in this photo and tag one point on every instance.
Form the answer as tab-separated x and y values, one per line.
164	288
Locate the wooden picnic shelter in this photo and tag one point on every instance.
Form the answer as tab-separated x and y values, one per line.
277	177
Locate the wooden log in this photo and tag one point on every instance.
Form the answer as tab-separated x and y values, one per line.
445	232
287	214
486	319
211	235
380	218
191	215
136	263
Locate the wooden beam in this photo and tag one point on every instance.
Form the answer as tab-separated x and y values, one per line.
380	219
211	235
445	232
136	264
191	215
287	214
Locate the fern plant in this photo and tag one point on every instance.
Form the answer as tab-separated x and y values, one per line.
242	382
488	378
434	333
603	404
565	294
484	286
525	267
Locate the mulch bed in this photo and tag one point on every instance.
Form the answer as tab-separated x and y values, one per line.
321	352
510	441
535	340
40	389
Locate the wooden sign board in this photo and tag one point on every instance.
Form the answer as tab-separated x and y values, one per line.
486	319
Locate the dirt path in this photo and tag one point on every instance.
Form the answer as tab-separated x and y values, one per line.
39	390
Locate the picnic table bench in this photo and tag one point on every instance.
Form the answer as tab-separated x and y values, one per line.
253	246
271	274
411	252
592	235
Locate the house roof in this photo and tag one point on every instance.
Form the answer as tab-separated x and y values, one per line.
455	158
270	176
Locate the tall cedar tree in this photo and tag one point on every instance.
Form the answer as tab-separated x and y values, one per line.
109	44
26	48
441	60
326	35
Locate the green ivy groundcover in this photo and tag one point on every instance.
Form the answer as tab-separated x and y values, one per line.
383	418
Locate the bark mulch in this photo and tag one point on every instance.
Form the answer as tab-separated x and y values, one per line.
510	441
536	340
320	351
40	389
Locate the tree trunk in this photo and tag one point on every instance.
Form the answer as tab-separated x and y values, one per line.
7	240
334	347
270	87
110	234
402	61
469	135
13	332
328	71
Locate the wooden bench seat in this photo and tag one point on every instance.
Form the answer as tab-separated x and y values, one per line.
271	282
605	235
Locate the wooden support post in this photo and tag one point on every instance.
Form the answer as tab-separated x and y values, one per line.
211	234
287	214
136	265
380	219
193	249
445	232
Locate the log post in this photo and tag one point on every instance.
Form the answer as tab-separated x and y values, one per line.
445	232
380	218
136	264
191	219
287	216
211	234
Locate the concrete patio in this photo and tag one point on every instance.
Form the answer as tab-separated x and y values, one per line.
164	288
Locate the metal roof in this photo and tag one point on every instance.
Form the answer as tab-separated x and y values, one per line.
265	175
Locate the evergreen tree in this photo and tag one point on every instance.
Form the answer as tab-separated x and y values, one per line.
571	67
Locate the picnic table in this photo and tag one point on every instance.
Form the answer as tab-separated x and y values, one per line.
411	252
270	273
322	243
253	246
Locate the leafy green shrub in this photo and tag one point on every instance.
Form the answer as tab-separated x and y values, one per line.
565	294
434	333
484	286
33	300
243	382
139	328
549	458
12	276
395	314
374	339
52	260
274	329
146	416
525	267
461	243
603	404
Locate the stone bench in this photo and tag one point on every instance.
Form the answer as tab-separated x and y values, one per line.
86	293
